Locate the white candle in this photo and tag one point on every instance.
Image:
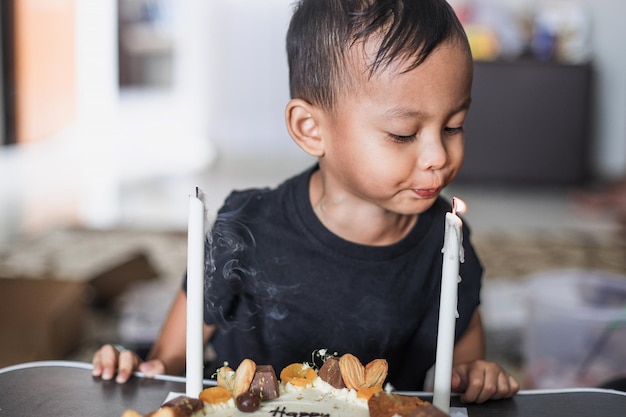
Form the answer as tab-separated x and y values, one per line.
452	256
195	295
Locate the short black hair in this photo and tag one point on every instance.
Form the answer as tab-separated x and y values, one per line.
322	32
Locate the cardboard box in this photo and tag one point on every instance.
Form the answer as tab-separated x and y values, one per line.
48	284
109	262
39	319
108	284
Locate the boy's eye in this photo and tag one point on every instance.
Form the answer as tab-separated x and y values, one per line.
449	131
403	138
453	130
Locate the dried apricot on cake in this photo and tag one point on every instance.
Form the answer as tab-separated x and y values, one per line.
367	392
298	374
215	395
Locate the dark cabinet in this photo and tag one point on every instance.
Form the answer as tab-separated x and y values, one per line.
529	123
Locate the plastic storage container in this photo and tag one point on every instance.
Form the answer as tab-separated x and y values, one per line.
576	330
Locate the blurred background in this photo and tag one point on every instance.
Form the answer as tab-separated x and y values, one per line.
112	111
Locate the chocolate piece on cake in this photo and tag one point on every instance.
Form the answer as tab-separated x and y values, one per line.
265	383
331	373
387	405
248	402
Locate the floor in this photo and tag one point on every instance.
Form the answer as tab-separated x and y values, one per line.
156	205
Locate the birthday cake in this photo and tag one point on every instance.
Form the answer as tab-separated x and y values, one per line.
342	386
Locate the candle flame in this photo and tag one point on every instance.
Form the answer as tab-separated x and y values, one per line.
458	206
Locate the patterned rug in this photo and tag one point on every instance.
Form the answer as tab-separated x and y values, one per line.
515	256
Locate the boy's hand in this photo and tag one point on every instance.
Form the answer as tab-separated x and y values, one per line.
108	361
480	381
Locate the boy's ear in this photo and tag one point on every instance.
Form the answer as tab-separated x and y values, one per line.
303	126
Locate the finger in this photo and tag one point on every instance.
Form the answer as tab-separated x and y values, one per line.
485	379
152	368
459	378
128	362
474	385
503	388
494	383
456	381
507	386
108	361
97	364
515	386
498	384
471	383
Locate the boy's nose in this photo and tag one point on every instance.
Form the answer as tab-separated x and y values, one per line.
432	154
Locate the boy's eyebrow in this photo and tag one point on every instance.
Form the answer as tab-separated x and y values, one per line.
405	112
402	112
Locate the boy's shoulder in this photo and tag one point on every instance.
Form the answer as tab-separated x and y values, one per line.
267	198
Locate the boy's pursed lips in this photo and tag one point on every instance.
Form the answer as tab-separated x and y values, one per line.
427	192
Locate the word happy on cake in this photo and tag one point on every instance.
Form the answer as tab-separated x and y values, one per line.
282	412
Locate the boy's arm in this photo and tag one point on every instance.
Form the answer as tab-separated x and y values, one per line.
476	378
169	347
471	345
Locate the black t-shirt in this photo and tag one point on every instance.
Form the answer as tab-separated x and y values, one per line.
279	285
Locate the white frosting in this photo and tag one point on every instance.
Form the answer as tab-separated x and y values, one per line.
315	400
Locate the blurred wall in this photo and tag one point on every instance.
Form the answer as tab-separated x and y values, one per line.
608	40
250	88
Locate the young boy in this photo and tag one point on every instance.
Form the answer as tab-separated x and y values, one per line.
347	255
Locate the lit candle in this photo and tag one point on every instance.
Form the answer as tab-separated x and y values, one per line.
195	295
452	256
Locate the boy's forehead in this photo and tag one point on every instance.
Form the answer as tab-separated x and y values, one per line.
362	55
450	60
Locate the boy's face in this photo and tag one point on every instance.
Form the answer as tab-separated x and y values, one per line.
399	140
